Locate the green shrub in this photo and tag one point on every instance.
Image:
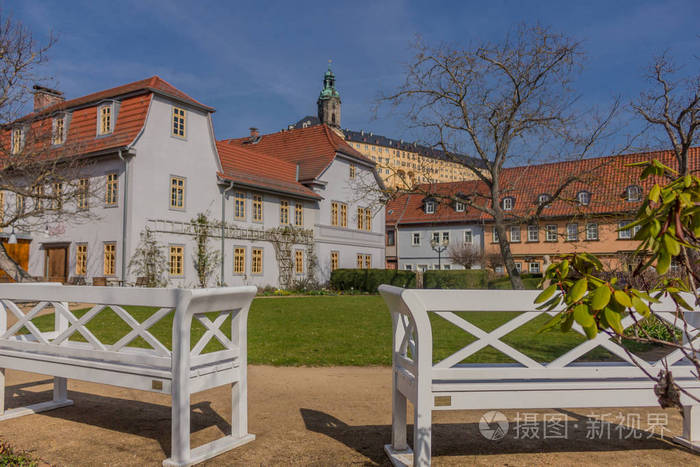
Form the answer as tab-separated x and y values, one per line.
456	279
367	280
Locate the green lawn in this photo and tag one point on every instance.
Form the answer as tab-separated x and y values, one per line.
342	330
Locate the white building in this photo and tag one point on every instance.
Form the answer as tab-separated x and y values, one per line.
156	164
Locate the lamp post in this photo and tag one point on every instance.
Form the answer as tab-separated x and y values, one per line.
13	237
438	247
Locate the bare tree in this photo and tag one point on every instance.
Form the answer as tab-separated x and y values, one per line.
465	255
498	100
41	178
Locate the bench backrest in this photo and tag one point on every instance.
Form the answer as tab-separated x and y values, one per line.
413	337
183	305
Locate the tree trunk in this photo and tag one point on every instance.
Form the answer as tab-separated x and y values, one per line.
515	280
12	268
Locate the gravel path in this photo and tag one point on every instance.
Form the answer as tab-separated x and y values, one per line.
315	416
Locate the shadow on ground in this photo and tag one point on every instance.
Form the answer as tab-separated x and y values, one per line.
124	415
465	439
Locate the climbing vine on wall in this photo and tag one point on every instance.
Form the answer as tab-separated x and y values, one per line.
206	259
283	240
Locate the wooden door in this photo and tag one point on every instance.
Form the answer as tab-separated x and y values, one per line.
20	253
57	264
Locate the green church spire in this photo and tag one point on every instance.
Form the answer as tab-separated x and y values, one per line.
328	90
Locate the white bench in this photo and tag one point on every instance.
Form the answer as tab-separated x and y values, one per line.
528	384
184	370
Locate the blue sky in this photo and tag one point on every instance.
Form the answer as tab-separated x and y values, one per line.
261	63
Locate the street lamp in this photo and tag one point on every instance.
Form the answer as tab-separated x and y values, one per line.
13	237
438	247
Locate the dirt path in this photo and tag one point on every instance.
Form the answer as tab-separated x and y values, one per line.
308	416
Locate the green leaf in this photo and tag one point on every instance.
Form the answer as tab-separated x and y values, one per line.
681	302
614	320
568	322
639	305
663	263
578	290
601	297
654	193
672	245
556	319
564	268
546	293
582	316
591	331
622	298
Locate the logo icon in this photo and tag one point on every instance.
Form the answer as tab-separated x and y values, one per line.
493	425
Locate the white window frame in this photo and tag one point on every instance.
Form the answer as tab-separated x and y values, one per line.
508	203
590	237
569	236
430	207
459	206
468	237
513	239
533	229
494	235
583	197
535	270
551	233
415	239
628	193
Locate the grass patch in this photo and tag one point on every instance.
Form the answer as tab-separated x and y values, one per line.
9	457
342	330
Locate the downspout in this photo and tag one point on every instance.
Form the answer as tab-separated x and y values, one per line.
124	214
223	227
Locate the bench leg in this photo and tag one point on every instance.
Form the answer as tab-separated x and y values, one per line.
398	451
60	399
691	427
422	427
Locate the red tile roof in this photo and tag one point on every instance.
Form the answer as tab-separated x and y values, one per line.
313	148
256	169
606	178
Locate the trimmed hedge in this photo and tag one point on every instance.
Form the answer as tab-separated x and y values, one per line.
367	280
456	279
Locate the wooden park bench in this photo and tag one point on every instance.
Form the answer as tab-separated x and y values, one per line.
451	385
180	372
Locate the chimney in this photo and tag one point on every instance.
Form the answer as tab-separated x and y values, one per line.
46	97
254	132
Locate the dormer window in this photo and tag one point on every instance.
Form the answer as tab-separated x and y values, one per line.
17	140
508	203
633	193
430	207
58	135
105	119
544	198
583	198
459	206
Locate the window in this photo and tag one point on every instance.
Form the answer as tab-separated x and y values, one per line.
571	232
360	218
519	267
533	233
179	119
353	171
459	206
39	197
239	205
408	267
508	204
59	130
299	262
57	196
533	268
446	267
633	193
430	207
495	235
368	219
19	203
177	258
112	189
415	239
334	260
334	213
239	260
257	208
626	234
109	259
177	192
83	193
543	198
105	122
298	214
583	198
445	238
591	231
343	215
368	261
390	238
364	261
284	212
468	238
2	205
436	237
551	233
17	140
514	233
81	259
360	261
256	266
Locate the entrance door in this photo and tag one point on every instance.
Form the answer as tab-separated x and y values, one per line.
57	264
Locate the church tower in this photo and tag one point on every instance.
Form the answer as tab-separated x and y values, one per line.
329	101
